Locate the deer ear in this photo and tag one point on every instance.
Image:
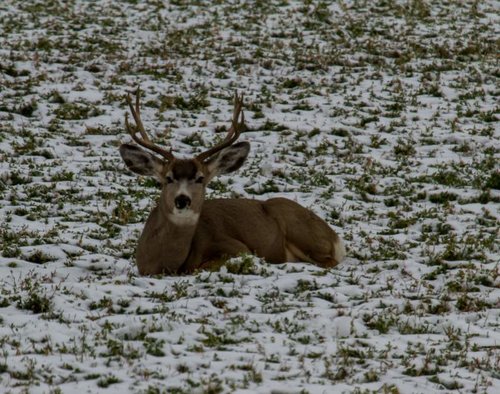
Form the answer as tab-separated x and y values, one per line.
228	159
141	162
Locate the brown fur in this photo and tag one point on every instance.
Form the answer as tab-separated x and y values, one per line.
178	240
278	230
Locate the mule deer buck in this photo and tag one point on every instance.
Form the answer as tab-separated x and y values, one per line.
185	232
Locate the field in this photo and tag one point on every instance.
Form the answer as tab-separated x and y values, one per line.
380	116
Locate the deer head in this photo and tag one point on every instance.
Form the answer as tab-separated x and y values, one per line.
183	181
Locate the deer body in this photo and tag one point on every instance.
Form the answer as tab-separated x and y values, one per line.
271	229
184	232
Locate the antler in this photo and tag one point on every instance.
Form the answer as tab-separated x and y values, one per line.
232	134
139	127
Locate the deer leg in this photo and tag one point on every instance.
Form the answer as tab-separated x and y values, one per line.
326	250
308	237
150	270
217	256
230	247
224	250
192	263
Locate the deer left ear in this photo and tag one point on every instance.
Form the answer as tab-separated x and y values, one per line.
228	160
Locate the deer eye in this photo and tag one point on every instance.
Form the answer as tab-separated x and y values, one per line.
169	180
200	179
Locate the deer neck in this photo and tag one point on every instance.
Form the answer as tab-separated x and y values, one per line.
166	240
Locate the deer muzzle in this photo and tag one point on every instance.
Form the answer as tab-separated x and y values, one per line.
182	202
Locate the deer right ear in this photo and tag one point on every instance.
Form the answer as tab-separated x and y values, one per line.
142	162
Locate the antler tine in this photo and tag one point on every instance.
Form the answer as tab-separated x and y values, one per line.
233	133
144	141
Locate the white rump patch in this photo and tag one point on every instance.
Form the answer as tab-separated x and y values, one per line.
184	217
340	252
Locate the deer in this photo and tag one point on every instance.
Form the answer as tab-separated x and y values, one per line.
185	232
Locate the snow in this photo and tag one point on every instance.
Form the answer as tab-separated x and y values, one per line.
369	139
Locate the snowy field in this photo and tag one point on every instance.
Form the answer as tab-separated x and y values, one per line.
380	116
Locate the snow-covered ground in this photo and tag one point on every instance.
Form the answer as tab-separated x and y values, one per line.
380	116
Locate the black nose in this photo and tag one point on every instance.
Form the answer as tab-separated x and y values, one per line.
182	201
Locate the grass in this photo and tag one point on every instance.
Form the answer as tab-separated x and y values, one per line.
380	117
